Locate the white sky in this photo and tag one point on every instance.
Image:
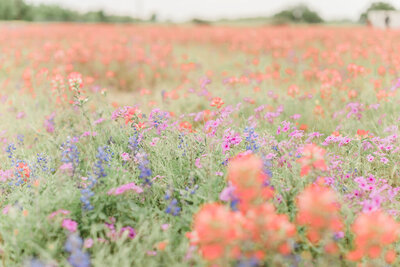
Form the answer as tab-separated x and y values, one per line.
180	10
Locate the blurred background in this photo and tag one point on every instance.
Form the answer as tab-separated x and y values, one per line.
194	11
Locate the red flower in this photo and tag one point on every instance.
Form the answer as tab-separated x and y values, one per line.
373	233
185	126
207	115
247	176
75	81
23	171
313	157
362	132
254	231
217	102
130	113
318	210
215	230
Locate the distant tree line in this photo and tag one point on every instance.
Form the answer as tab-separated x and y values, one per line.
303	14
297	14
20	10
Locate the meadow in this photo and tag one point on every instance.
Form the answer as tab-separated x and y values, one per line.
182	145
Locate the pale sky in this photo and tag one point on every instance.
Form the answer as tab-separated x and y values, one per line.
181	10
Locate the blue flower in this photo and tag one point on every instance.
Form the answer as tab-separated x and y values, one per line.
73	243
251	139
133	142
10	151
36	263
42	162
103	156
70	154
77	257
173	208
145	171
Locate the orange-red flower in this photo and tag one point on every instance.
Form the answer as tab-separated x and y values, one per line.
23	171
362	133
313	157
374	232
75	81
130	113
319	110
293	90
217	102
318	210
247	176
267	230
185	126
223	234
215	231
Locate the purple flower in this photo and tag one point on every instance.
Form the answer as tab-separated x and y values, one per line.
130	230
49	123
227	194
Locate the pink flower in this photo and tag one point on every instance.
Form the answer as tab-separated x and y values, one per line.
49	123
286	126
70	225
295	116
89	134
130	230
384	160
21	115
369	206
278	131
85	134
197	163
370	158
5	175
164	226
66	167
6	209
151	253
123	188
270	156
99	121
125	156
227	194
88	243
154	141
230	138
53	214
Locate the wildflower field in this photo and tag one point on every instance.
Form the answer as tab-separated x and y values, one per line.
156	145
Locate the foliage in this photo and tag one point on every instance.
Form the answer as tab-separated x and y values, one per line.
297	14
19	10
